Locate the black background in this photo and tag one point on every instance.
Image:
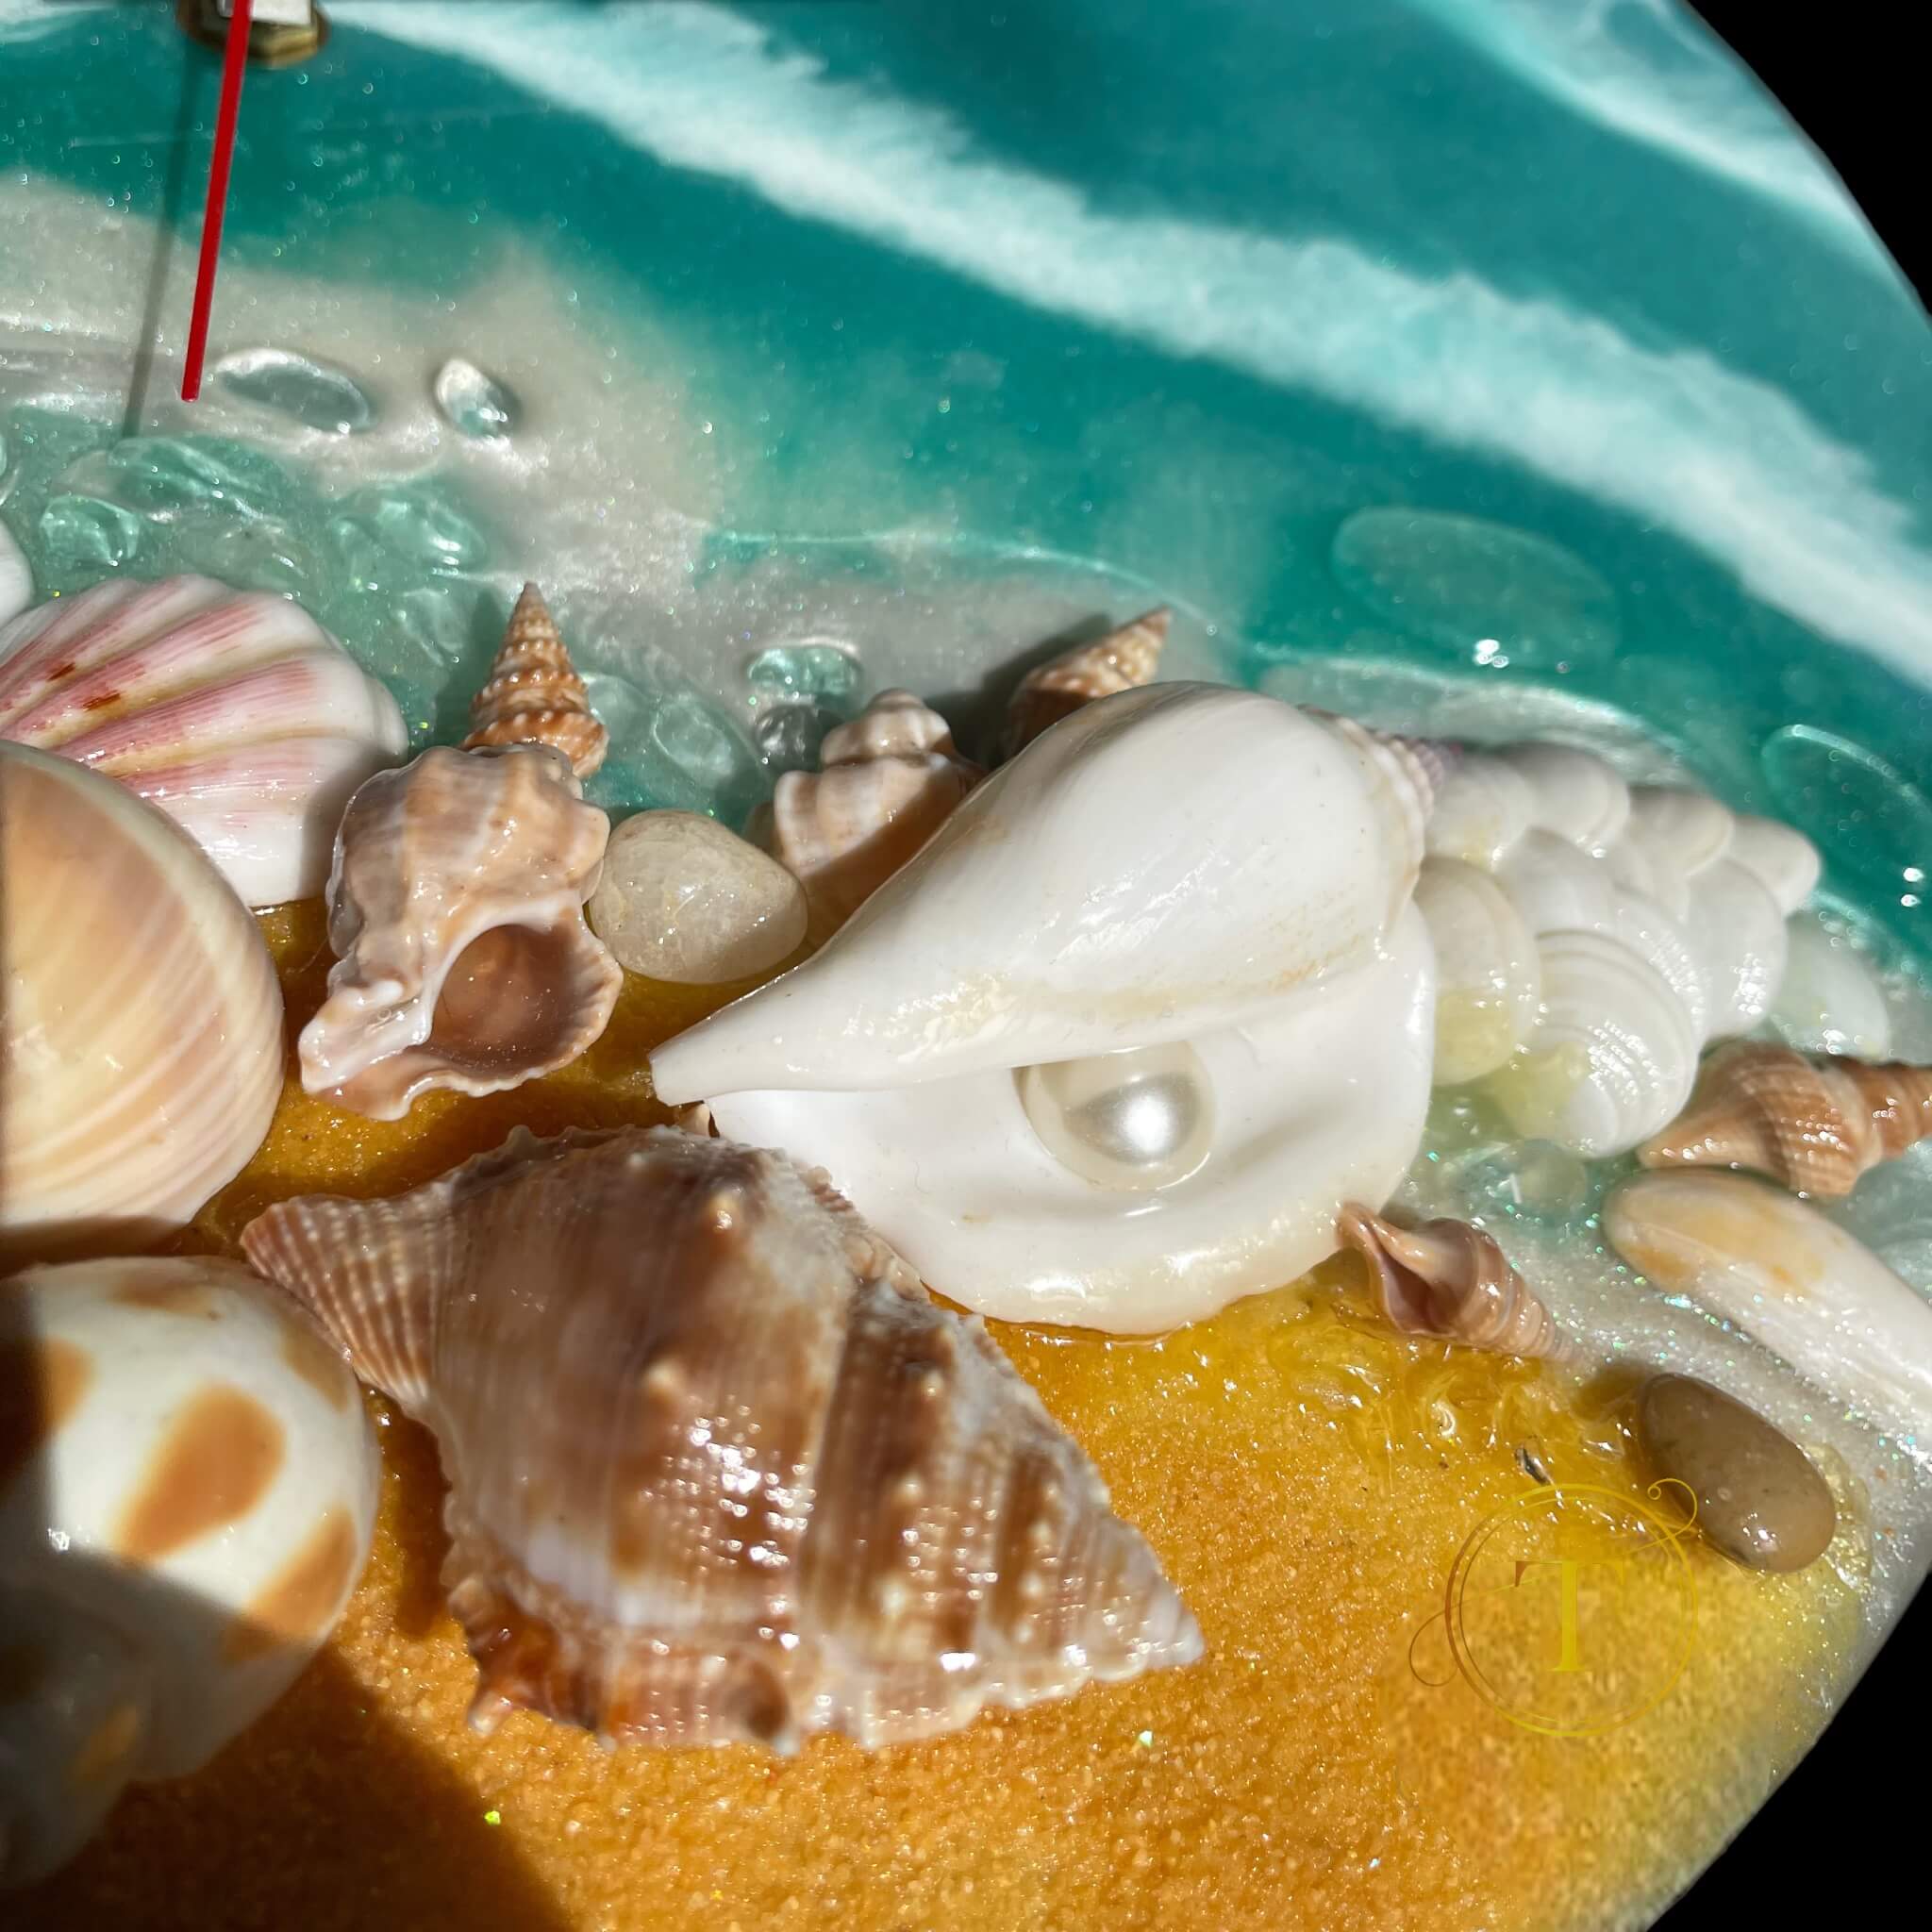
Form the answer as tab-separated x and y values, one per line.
1837	1842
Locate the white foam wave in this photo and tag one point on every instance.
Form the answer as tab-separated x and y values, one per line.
1724	461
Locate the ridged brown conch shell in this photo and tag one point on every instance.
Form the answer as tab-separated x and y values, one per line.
720	1471
1450	1279
455	910
889	778
1814	1124
1118	661
534	696
235	713
140	1022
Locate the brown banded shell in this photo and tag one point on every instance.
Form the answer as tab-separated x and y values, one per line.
1450	1279
720	1470
1118	661
1813	1123
534	696
889	778
457	912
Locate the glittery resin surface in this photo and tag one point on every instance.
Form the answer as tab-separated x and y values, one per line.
1311	1483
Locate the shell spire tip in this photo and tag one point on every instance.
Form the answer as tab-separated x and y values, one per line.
535	695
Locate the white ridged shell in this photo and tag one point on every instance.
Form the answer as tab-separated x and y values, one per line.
1488	983
1740	937
1088	897
184	1532
1831	1000
1553	886
1576	794
1785	861
1481	810
1688	830
142	1022
1756	1255
1614	1059
236	713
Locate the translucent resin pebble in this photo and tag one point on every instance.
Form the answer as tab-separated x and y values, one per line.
682	899
474	403
313	393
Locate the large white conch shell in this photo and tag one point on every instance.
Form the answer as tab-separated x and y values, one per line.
1658	920
140	1021
1113	1049
236	713
1163	863
457	913
187	1498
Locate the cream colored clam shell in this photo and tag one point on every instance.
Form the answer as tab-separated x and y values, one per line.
142	1022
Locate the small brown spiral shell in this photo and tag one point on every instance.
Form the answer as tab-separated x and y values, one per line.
1814	1124
534	696
1450	1279
1121	661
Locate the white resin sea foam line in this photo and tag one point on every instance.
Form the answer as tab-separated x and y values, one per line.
1728	463
1697	105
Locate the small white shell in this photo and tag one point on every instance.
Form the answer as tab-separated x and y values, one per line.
1757	1256
1661	944
192	1504
1786	861
1831	1000
1553	886
1576	794
141	1021
1687	829
1489	980
1481	810
1082	900
1614	1059
235	713
1740	936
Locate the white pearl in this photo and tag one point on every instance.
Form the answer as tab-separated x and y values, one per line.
1142	1118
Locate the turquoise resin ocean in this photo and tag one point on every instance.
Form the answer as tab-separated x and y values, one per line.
1500	351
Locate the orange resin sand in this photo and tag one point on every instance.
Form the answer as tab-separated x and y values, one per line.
1308	1481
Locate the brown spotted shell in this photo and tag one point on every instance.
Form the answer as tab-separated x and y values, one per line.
1118	661
1450	1279
534	696
456	910
1813	1123
720	1468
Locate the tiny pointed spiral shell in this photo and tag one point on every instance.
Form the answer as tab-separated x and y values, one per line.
1450	1279
1814	1124
1118	661
534	696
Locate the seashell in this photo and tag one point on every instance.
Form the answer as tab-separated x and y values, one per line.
1072	907
1813	1124
684	900
1556	888
1650	874
1450	1279
1406	772
1776	1268
1575	794
237	715
187	1500
1740	937
534	696
760	1485
889	778
1481	810
1687	829
1657	938
1785	862
1614	1057
1489	988
141	1029
1122	660
455	912
1829	1000
16	579
1319	1100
